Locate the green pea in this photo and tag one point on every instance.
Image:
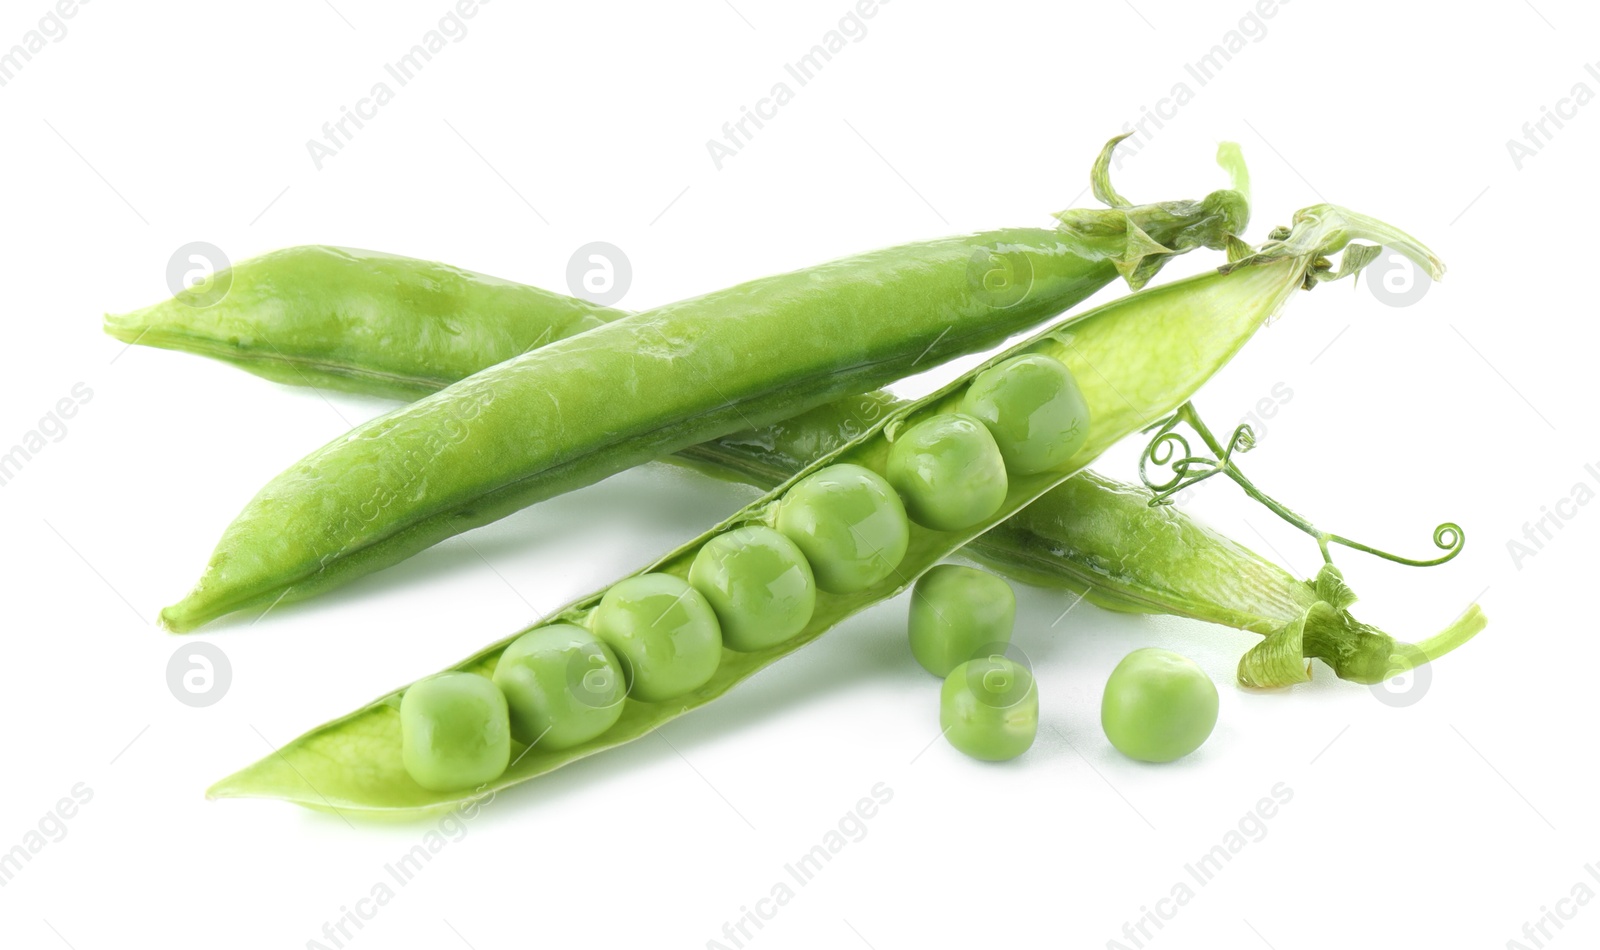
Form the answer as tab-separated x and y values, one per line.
1158	706
663	632
454	731
989	708
1034	409
949	472
955	613
850	524
759	585
562	684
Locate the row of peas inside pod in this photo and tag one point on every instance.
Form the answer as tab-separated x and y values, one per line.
655	637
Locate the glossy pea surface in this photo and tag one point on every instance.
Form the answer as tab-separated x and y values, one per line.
989	708
1158	706
949	472
1034	409
957	611
455	731
663	632
850	525
758	583
562	684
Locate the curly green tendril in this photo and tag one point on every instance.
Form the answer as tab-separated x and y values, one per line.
1169	449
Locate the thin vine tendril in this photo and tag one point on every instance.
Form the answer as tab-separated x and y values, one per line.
1169	449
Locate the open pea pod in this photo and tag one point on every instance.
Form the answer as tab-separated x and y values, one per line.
1135	360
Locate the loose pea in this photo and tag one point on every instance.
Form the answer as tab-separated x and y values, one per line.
562	684
989	708
454	731
759	585
957	611
949	472
1034	409
1158	706
663	632
850	525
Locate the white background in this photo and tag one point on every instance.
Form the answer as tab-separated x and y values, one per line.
1450	822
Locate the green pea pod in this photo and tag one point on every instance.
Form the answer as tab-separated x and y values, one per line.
586	407
1078	536
1136	360
358	321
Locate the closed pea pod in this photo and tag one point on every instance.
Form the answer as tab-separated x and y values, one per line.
1135	359
360	321
582	408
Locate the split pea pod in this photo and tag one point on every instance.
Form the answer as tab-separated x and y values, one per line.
582	408
1134	360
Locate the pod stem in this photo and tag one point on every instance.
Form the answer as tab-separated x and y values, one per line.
1463	628
1355	651
1139	239
1325	229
